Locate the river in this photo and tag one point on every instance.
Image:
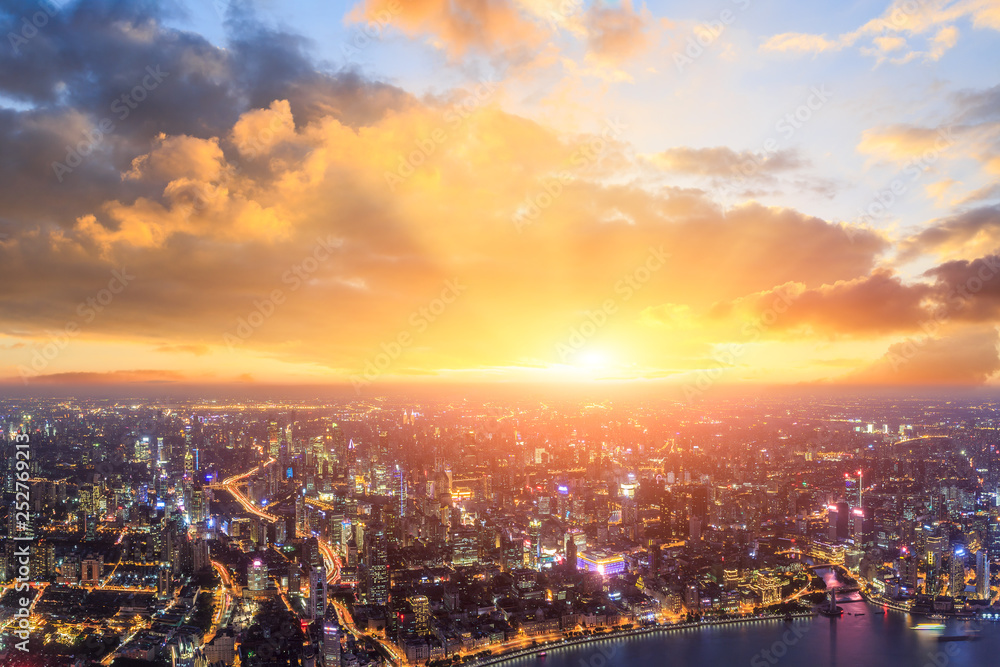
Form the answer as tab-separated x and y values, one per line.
855	641
862	637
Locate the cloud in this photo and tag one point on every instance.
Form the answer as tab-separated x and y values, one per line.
971	233
969	290
458	27
903	143
724	162
617	34
111	377
904	32
869	306
801	43
969	358
324	213
179	157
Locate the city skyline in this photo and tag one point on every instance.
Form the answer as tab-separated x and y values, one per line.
355	532
383	193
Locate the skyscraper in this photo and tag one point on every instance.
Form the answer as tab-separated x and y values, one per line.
377	565
956	574
317	592
422	613
399	488
331	644
273	439
257	576
982	575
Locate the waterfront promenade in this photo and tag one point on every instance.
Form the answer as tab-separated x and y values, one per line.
633	632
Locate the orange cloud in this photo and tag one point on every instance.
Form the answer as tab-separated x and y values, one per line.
616	34
964	359
456	26
902	143
869	306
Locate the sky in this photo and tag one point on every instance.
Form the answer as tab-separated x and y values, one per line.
387	191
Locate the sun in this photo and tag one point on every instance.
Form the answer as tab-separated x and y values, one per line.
593	359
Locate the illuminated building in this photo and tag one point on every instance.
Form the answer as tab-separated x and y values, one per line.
956	575
982	575
422	613
399	489
993	534
92	569
272	439
317	592
935	547
535	554
769	589
141	454
839	517
257	576
465	547
377	564
600	562
331	644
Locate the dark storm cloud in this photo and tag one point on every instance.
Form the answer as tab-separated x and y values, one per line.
76	75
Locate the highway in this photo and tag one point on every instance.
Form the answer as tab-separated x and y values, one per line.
346	621
223	602
232	484
331	561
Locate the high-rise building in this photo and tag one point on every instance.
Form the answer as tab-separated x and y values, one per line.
993	534
273	439
571	552
317	592
422	614
839	516
512	552
465	547
331	644
982	575
535	554
164	583
935	548
301	517
399	488
377	566
336	444
956	574
655	558
141	452
699	503
694	529
257	575
92	569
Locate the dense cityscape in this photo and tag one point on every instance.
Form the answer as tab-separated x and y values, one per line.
392	531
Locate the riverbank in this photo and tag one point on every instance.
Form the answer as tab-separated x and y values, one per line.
646	630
